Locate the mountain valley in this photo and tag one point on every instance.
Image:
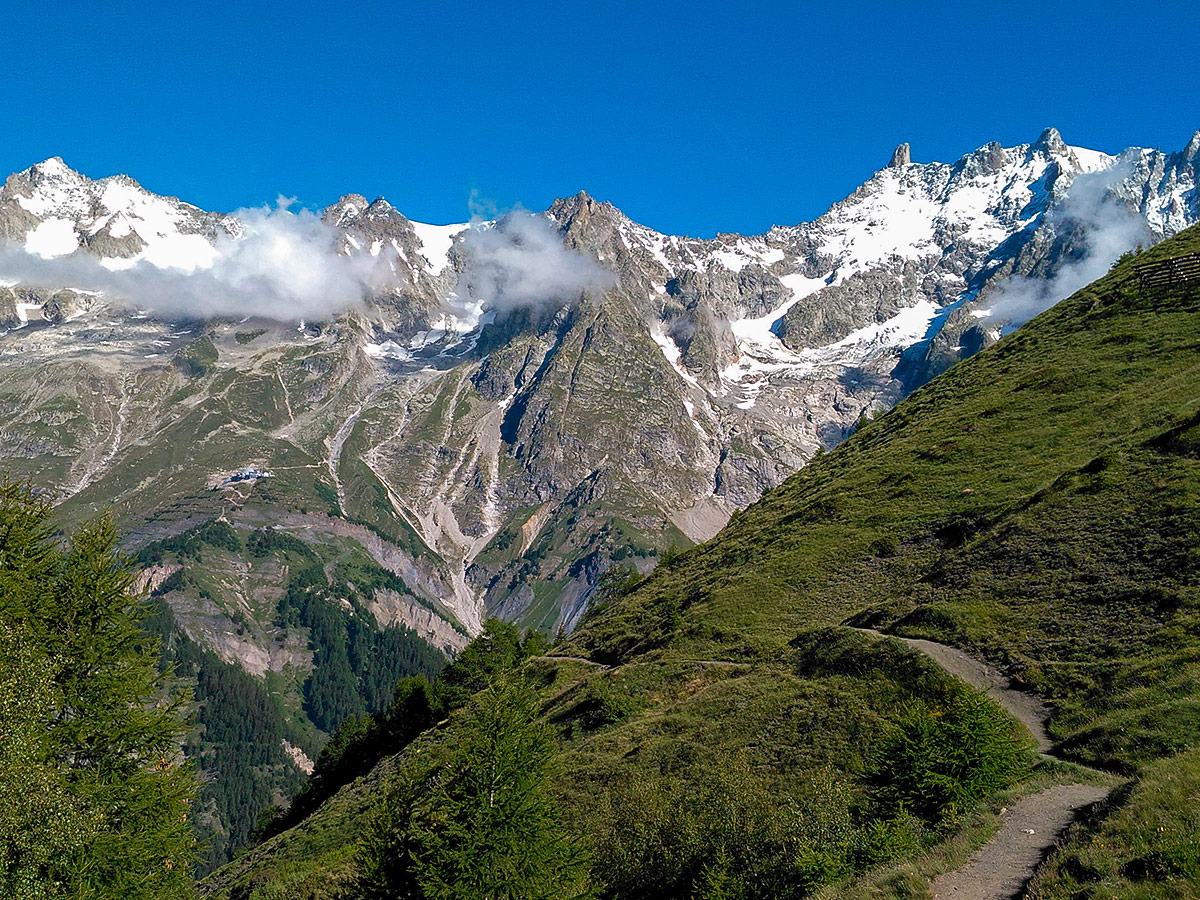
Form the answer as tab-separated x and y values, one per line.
325	499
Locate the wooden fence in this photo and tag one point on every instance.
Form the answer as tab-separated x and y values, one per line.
1166	274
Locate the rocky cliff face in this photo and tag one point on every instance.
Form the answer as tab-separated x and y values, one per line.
500	458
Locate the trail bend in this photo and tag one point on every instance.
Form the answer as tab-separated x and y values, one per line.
1032	826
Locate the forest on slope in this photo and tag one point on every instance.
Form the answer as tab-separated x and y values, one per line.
249	733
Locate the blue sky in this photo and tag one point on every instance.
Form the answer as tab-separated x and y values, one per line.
692	117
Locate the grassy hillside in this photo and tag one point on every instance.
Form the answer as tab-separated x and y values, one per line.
1039	505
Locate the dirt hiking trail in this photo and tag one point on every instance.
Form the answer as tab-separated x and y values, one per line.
1031	827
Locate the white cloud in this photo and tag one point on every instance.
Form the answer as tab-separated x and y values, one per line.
1108	227
284	266
521	261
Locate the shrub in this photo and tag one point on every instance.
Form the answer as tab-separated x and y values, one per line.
883	840
722	832
600	705
1180	860
943	758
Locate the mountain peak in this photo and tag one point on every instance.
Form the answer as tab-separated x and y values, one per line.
1192	150
901	156
346	209
580	204
53	164
382	211
1050	142
53	168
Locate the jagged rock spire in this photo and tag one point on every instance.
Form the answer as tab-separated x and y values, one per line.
901	156
1051	142
1193	148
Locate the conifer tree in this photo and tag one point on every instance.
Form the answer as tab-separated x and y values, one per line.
484	824
485	659
109	737
493	828
41	824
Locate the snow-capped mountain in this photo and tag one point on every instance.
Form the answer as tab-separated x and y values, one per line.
53	211
500	457
497	437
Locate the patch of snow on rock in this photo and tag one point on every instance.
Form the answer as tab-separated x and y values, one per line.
671	351
756	336
436	241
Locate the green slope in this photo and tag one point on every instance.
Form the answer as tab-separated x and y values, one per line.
1039	504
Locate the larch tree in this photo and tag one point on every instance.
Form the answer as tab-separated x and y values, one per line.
483	825
86	682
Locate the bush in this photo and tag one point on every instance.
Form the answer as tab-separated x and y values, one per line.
599	705
943	758
1180	860
883	840
722	832
885	547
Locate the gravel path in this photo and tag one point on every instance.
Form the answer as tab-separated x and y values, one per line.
578	659
1002	867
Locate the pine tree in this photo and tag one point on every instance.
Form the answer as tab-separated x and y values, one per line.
715	881
493	830
485	824
41	824
109	737
389	855
495	651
